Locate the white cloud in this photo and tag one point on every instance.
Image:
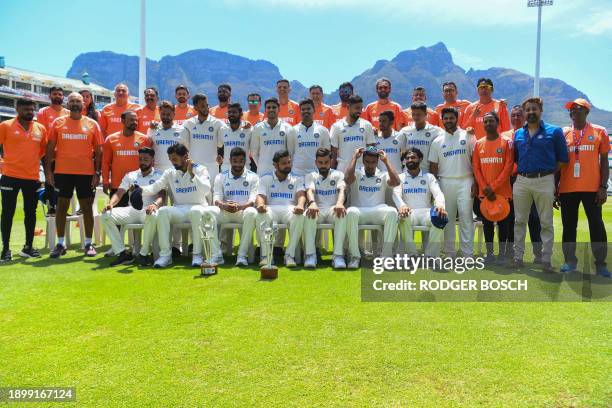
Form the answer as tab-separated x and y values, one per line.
598	23
465	60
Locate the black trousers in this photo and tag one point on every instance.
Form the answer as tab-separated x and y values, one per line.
570	202
488	227
10	186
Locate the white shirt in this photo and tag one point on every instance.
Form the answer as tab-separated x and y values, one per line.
348	138
369	191
453	153
184	189
240	189
265	141
280	192
416	192
136	178
325	189
303	144
393	146
202	139
162	140
240	137
421	139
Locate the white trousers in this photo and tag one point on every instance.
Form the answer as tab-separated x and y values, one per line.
381	214
420	217
247	219
326	216
128	215
282	215
458	200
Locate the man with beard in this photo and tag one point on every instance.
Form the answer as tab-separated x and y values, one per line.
350	134
190	186
419	95
391	142
23	143
75	145
164	135
373	110
421	133
449	94
149	112
224	94
413	202
288	110
234	192
182	110
368	195
253	115
281	199
202	136
111	115
306	138
323	114
474	113
450	159
540	151
234	135
345	90
142	210
325	194
120	154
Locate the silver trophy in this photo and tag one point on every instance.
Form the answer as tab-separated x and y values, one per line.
268	271
208	266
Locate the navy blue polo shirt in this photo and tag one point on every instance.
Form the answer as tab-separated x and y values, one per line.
541	152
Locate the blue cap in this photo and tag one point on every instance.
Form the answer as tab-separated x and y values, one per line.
437	220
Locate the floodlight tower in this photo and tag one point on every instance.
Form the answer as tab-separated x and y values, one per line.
539	4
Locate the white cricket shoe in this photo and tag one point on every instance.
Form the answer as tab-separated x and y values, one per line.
354	262
197	260
242	261
162	262
311	261
339	262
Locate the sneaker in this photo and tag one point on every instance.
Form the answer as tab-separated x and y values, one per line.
547	267
242	261
264	261
290	261
90	250
568	267
197	260
109	253
162	262
603	271
124	258
6	255
176	252
311	261
219	259
58	251
144	260
29	252
354	262
338	262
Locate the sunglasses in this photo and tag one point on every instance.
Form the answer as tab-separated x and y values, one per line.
485	86
253	102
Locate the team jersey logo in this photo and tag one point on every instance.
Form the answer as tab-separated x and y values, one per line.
444	146
84	129
210	128
176	181
395	142
462	142
361	130
242	135
282	133
591	138
427	134
291	111
316	135
151	181
264	134
290	186
423	182
332	183
176	134
378	180
246	184
136	144
499	150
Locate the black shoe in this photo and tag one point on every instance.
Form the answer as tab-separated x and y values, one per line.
29	252
6	255
124	258
58	251
144	260
176	253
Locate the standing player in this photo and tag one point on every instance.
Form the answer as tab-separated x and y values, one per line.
48	114
307	137
23	143
110	116
234	135
325	193
166	134
350	133
474	113
253	115
391	142
323	114
182	110
149	112
340	110
420	95
450	159
75	144
288	110
281	199
450	93
373	110
421	133
224	94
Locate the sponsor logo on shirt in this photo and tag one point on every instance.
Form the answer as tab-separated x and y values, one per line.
415	190
74	136
348	139
126	153
202	136
232	193
281	195
325	192
308	144
454	152
491	160
184	190
273	142
367	189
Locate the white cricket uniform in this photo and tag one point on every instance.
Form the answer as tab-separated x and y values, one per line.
265	141
416	193
281	197
203	139
348	138
241	189
421	139
326	196
368	207
303	144
191	198
453	153
130	215
162	139
393	146
240	137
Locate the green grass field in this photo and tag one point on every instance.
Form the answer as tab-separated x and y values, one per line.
143	337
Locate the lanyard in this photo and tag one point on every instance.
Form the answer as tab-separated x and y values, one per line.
577	143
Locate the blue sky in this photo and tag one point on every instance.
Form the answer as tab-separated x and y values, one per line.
322	41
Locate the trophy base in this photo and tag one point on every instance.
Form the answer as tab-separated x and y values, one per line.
268	273
208	269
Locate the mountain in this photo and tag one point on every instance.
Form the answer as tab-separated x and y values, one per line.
202	70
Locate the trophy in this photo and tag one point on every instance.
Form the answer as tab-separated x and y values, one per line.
268	271
208	266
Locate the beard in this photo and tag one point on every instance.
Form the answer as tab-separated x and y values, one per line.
383	95
75	108
412	166
57	101
233	121
324	172
144	168
532	117
286	170
178	166
223	98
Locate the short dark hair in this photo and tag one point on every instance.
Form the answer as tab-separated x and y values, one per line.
279	155
449	83
354	99
271	100
323	152
419	88
389	114
449	110
346	84
484	81
178	148
166	105
235	105
254	94
319	87
127	112
492	113
154	90
183	87
419	106
237	151
307	101
414	150
283	80
146	150
56	88
383	79
25	102
199	97
537	100
227	86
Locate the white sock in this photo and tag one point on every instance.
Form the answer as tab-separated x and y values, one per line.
60	241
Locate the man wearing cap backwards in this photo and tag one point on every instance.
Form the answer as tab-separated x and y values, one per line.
413	201
368	191
450	159
492	161
584	180
143	209
540	151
